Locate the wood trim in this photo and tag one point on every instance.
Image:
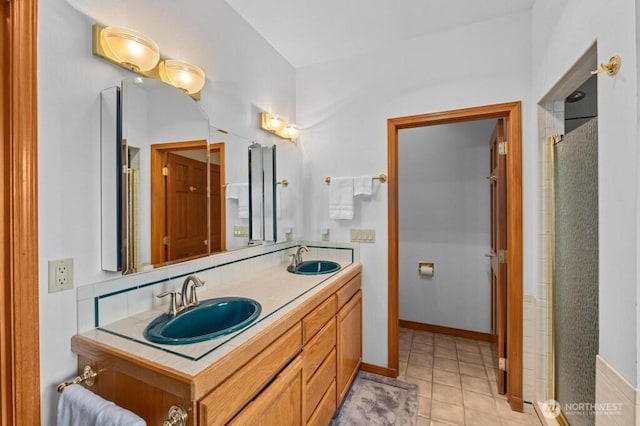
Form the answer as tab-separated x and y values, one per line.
513	112
450	331
19	295
376	369
219	147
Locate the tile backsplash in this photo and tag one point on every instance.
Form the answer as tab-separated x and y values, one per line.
108	301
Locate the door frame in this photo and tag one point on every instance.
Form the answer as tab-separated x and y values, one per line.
19	286
512	111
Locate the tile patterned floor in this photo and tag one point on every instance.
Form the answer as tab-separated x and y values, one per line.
456	381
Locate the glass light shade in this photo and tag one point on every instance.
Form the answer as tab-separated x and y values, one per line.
129	48
275	123
291	131
182	75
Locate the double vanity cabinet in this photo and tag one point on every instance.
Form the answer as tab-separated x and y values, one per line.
295	371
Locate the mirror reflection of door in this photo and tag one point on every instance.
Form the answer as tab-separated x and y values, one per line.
183	224
186	205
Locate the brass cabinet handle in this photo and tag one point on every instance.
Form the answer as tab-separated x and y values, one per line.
492	177
192	188
492	254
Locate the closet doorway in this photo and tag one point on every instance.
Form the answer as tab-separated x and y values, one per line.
512	312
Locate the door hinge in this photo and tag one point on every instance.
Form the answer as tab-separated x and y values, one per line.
502	148
502	364
165	240
165	171
502	256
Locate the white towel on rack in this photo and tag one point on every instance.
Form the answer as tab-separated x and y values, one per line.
341	198
362	185
240	192
78	406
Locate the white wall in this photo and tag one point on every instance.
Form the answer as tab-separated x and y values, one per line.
445	218
343	107
562	31
245	75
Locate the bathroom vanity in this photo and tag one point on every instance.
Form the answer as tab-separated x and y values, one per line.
292	368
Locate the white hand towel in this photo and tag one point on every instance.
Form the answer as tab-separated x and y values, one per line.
113	415
78	406
341	198
243	201
240	192
362	185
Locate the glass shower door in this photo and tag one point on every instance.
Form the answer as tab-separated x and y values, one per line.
575	272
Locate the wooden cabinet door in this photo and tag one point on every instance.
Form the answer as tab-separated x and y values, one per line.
349	342
280	403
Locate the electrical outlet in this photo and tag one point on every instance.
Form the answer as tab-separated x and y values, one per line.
60	275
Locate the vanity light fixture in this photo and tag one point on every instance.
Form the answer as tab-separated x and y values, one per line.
182	75
129	48
276	125
140	54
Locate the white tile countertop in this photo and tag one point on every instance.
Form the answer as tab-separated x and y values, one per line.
278	291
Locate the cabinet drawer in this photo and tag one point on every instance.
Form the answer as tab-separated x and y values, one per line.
234	393
347	291
326	408
314	321
319	383
279	404
318	348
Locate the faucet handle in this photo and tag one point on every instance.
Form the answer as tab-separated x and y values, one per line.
173	303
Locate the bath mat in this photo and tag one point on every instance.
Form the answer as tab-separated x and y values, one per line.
378	400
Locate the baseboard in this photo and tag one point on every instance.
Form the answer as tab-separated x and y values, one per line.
476	335
376	369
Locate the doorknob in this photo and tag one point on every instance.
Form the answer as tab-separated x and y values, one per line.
492	177
192	188
492	254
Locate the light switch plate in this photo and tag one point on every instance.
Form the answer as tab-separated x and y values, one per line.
240	231
363	235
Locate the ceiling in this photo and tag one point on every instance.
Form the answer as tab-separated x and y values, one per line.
306	32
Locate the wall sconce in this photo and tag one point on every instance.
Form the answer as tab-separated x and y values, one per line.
183	75
138	53
276	125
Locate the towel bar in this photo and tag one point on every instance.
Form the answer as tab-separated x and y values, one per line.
88	376
381	177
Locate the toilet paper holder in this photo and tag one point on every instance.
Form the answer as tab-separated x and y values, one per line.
422	264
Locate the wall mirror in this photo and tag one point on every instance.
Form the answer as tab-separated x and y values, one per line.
263	201
162	178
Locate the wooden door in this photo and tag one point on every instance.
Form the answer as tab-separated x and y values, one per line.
498	251
186	186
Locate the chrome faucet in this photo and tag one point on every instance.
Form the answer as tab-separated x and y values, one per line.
299	254
296	259
187	298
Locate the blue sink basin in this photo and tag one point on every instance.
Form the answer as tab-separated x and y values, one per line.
315	267
211	318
